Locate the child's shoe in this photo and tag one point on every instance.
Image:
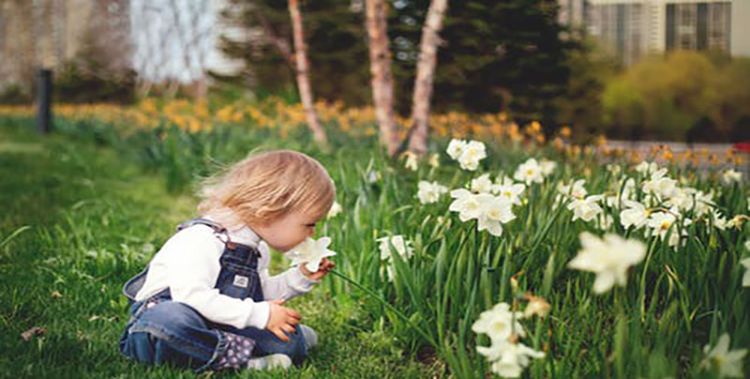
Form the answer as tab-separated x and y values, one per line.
310	336
270	362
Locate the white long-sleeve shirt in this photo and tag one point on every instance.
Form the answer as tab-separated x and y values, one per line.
188	264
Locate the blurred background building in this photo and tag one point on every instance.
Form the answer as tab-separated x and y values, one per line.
156	40
631	29
55	33
150	37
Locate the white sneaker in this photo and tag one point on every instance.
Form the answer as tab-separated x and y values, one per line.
310	336
270	362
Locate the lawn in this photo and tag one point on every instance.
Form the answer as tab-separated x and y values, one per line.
512	256
78	221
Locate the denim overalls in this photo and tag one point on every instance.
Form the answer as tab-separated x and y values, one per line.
161	330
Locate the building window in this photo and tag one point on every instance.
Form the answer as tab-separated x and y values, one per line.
719	26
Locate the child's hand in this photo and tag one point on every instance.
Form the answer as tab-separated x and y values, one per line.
326	265
282	319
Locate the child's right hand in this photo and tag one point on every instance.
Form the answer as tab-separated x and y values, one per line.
282	319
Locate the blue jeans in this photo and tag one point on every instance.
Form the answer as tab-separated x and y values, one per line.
172	332
164	331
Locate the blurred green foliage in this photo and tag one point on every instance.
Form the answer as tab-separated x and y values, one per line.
77	84
684	95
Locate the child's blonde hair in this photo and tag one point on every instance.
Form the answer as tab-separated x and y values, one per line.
263	187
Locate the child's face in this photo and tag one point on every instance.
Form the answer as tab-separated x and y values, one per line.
288	231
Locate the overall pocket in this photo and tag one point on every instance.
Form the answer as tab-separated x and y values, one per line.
237	280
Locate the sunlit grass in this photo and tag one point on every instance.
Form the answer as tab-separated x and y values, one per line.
676	301
78	221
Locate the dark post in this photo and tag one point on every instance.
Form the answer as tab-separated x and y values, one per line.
44	101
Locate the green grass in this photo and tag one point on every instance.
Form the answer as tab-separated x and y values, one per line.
93	209
82	219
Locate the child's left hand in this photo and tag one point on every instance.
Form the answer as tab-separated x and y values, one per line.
326	265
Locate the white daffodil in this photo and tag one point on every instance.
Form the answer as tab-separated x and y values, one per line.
586	209
495	212
727	363
747	245
499	323
434	160
720	222
373	176
661	222
635	214
679	236
482	184
456	147
746	278
335	210
652	201
659	184
548	166
628	188
508	356
575	190
466	204
731	176
411	161
387	244
614	169
605	222
647	168
311	253
529	172
682	198
704	202
621	190
612	201
504	180
609	258
473	152
402	246
509	191
627	184
509	359
490	211
430	192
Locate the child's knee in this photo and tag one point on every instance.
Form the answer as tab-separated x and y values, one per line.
267	343
170	317
140	346
295	348
164	329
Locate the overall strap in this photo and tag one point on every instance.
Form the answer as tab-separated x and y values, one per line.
134	284
221	232
202	221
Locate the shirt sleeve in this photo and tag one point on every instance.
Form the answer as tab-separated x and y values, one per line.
286	285
193	274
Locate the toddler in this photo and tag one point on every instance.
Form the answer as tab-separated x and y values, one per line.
206	300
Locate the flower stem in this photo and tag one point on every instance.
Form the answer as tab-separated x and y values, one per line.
620	333
389	306
649	253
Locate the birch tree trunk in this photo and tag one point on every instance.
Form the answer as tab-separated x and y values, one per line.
303	79
420	111
280	43
380	68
